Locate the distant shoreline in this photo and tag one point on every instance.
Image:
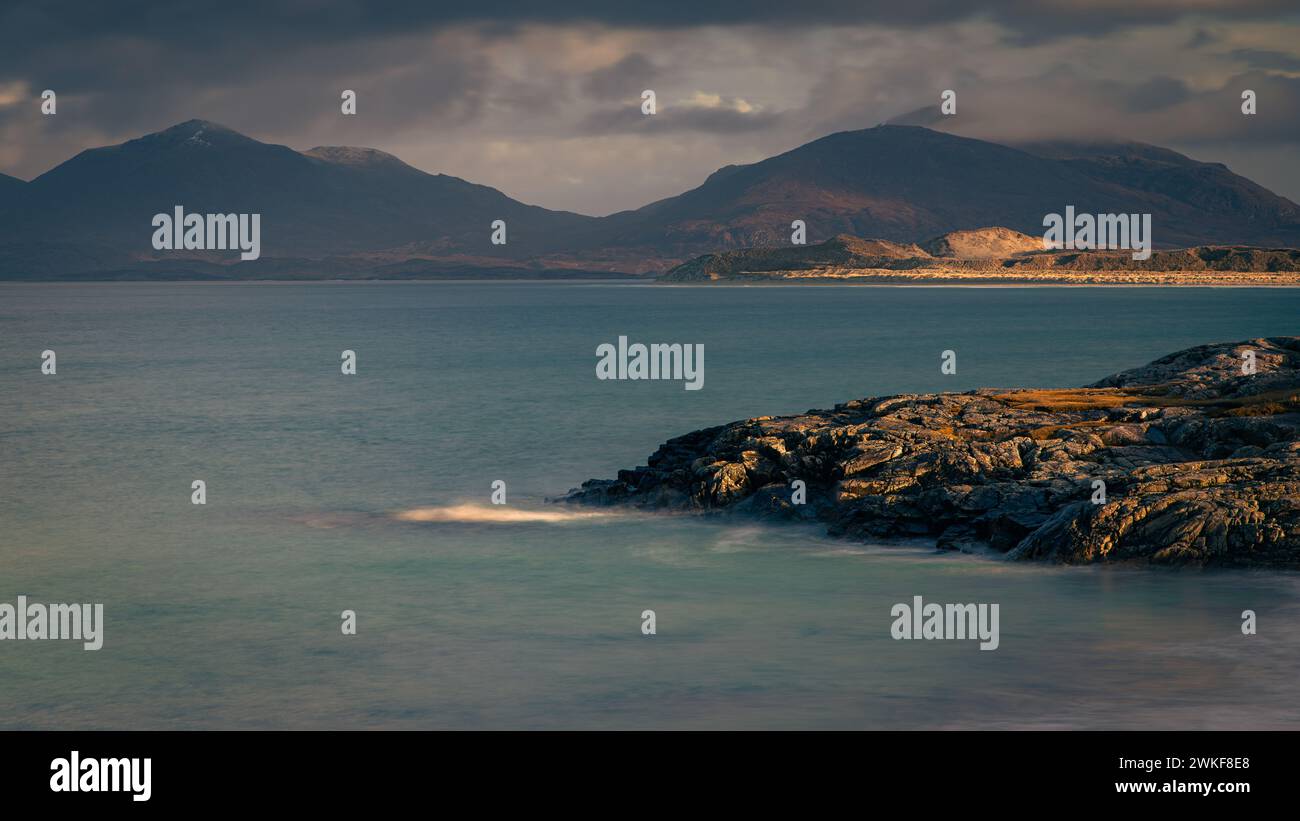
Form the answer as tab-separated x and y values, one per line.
1174	279
405	281
758	282
734	282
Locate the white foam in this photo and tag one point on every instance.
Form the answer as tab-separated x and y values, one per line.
495	514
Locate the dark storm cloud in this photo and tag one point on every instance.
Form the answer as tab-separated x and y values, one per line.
625	78
1159	110
1155	93
543	99
1277	118
1259	58
33	26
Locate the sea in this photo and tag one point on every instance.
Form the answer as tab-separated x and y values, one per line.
528	614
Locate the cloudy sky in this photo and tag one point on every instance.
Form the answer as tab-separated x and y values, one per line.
542	100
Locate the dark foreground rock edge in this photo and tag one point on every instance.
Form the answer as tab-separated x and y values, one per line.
1200	464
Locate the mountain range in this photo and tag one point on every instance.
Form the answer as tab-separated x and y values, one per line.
358	212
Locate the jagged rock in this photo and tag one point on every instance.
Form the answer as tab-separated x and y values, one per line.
1200	464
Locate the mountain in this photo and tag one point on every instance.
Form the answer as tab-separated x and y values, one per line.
11	188
907	183
323	202
359	212
1207	187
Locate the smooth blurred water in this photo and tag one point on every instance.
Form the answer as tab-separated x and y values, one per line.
227	615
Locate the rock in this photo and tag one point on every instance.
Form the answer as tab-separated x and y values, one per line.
1201	465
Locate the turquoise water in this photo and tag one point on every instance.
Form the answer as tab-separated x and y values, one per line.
227	615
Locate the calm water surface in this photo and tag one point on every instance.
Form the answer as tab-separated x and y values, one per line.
227	615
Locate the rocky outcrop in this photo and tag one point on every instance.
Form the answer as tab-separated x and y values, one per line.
1199	464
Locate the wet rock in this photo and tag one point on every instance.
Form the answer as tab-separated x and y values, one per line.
1201	465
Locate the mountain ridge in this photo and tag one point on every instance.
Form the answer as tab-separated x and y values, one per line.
901	184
